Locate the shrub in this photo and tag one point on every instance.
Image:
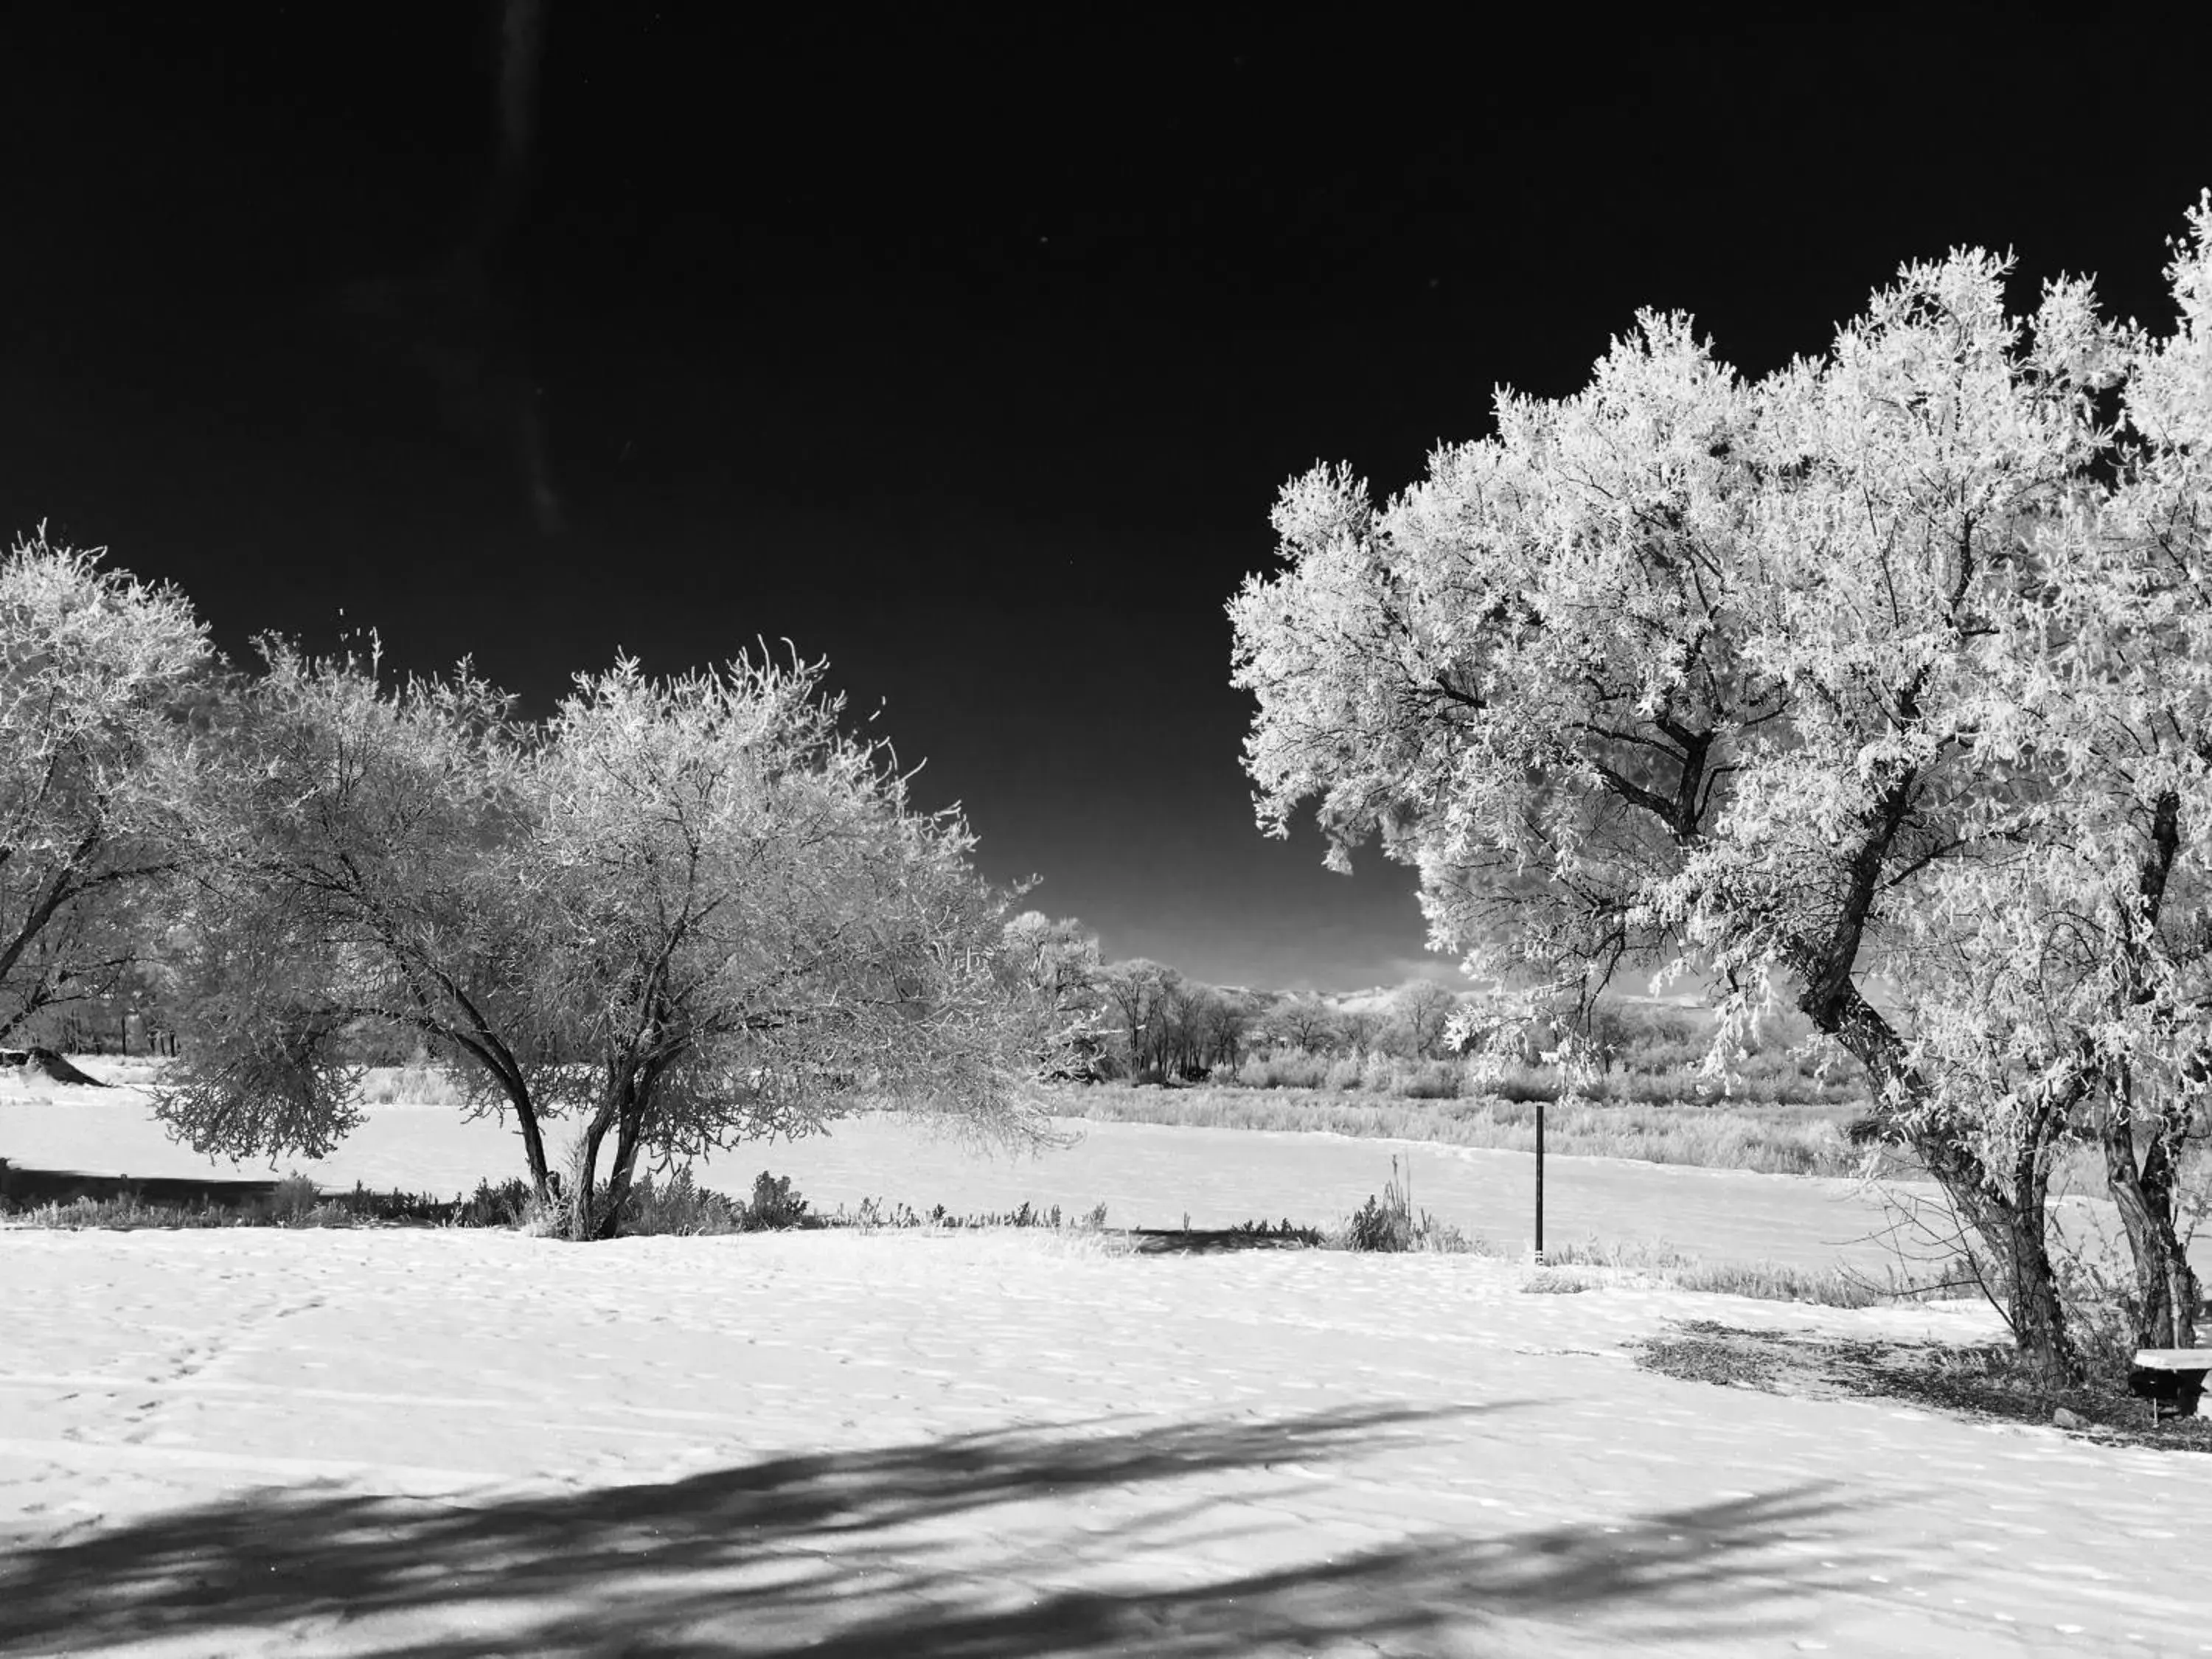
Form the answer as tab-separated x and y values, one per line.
1525	1084
1429	1079
1284	1068
869	1213
1285	1229
680	1208
1388	1225
293	1200
1379	1227
507	1205
774	1207
1444	1239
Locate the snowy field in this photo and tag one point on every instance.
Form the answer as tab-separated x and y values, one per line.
439	1444
1146	1175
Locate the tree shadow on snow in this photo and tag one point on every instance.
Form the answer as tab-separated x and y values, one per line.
1217	1240
25	1186
981	1547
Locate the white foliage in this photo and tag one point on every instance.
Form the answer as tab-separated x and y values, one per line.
1867	680
96	764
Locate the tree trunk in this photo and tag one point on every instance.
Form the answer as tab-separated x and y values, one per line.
2165	1287
2038	1318
2012	1226
2167	1290
634	1096
621	1174
2021	1221
581	1206
533	1141
2015	1227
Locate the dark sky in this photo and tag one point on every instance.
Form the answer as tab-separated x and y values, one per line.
968	353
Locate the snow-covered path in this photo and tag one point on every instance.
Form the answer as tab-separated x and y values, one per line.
440	1444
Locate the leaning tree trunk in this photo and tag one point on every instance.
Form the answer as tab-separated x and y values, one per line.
582	1198
2017	1226
2167	1290
2165	1287
2013	1226
482	1047
534	1144
630	1096
621	1174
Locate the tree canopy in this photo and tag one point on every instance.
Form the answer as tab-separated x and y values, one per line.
751	930
356	871
101	680
1846	683
680	914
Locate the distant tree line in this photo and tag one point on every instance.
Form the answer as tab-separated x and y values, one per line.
1145	1020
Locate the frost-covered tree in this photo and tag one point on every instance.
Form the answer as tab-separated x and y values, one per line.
353	874
1221	1025
1421	1011
2146	589
102	679
2086	982
679	914
1138	993
1056	964
1059	959
1684	671
751	930
1305	1022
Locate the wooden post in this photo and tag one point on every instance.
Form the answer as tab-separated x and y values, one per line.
1540	1181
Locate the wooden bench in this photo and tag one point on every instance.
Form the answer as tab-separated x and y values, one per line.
2187	1366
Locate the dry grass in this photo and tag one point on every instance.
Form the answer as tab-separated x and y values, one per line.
126	1214
1768	1281
1390	1224
410	1085
294	1201
1771	1140
1658	1074
1548	1281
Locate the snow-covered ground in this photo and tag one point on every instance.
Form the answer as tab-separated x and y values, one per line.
416	1442
421	1442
